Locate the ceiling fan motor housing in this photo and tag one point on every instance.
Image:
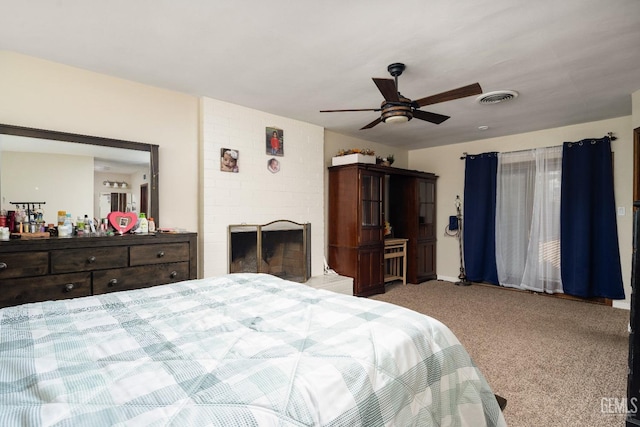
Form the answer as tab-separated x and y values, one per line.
396	109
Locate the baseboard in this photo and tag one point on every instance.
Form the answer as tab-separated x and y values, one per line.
621	304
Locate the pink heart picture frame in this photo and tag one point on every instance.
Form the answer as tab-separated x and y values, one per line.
122	221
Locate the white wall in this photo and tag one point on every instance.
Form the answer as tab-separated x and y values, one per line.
445	162
254	195
47	95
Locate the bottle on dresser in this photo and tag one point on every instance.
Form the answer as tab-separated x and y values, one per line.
66	229
143	226
87	224
79	226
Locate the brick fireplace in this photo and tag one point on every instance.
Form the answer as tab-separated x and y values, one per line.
281	248
254	195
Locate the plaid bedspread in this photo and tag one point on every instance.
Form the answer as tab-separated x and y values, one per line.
235	350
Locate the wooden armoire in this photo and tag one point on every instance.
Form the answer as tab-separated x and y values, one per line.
361	198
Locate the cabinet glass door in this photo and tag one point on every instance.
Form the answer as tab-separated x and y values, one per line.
426	208
371	192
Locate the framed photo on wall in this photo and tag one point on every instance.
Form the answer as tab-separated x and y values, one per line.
273	165
229	160
275	141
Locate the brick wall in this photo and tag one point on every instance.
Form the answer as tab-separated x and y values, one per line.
254	195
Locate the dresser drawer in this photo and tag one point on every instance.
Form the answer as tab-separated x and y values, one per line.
159	253
34	289
124	279
23	264
88	259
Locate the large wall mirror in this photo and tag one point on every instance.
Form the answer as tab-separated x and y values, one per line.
79	174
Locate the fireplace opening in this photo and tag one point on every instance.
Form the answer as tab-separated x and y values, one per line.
281	248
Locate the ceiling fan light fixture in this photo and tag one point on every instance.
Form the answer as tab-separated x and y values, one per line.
395	113
396	119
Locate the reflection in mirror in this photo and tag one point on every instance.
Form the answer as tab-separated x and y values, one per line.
79	174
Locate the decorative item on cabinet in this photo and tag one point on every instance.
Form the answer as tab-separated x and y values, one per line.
385	161
354	155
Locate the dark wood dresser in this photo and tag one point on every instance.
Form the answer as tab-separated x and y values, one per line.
61	268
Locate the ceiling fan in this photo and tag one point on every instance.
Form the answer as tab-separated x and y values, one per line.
397	109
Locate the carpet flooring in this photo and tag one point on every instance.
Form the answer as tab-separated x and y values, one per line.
557	362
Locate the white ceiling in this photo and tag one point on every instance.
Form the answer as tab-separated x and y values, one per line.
572	61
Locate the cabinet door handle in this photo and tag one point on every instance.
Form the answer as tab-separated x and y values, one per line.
69	287
160	254
3	266
113	282
173	274
91	259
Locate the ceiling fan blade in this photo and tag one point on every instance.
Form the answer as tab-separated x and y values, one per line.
450	95
372	124
360	109
429	117
388	89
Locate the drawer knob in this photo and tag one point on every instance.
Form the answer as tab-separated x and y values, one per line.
3	266
69	287
160	254
173	274
91	259
113	282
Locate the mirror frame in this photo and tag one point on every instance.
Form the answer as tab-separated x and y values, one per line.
105	142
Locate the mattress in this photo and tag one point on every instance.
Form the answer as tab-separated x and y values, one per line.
235	350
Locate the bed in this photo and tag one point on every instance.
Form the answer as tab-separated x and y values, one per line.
235	350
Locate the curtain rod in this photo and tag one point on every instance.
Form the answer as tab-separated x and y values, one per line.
609	134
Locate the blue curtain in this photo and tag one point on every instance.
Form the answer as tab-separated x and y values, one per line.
479	235
589	252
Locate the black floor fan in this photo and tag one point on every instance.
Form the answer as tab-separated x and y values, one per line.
462	277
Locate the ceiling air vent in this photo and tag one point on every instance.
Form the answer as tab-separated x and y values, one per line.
496	96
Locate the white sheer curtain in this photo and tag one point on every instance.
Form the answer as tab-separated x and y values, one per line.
515	186
542	272
528	219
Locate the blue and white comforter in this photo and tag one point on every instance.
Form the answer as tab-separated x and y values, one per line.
235	350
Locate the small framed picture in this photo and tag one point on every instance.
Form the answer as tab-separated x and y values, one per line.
273	165
275	141
229	160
